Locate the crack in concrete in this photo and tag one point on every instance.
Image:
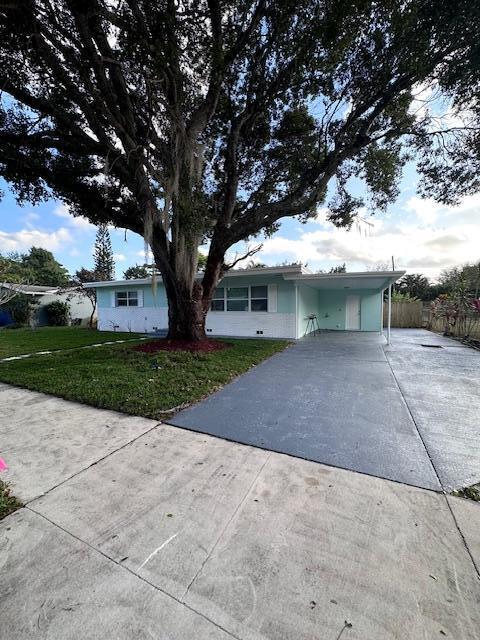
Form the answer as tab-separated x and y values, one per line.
92	464
141	578
220	535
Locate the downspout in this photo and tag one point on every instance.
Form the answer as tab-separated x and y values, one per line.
296	311
389	312
381	311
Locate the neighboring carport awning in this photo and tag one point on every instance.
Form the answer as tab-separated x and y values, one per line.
378	280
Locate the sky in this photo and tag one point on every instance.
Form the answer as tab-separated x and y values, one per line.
422	236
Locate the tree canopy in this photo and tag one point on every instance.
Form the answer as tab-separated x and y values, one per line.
210	121
37	267
137	271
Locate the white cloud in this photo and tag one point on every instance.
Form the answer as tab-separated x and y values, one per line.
429	238
119	257
25	238
78	222
426	210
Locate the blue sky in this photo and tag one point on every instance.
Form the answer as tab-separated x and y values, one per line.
423	236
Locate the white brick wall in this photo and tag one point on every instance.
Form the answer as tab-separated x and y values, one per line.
243	323
141	319
221	323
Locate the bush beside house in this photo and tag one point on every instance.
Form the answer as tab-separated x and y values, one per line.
58	313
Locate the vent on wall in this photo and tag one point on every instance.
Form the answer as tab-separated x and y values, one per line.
209	331
432	346
259	333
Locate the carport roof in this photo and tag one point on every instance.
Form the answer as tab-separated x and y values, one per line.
355	280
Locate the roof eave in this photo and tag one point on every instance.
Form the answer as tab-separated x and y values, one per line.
294	271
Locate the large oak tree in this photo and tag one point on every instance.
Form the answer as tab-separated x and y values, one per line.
208	121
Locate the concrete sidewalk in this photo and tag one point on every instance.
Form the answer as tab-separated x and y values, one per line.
148	531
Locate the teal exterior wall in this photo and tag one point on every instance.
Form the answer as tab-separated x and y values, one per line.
285	289
371	311
104	295
307	304
332	309
285	292
329	305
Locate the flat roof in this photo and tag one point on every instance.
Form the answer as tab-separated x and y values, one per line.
292	269
296	273
352	280
29	289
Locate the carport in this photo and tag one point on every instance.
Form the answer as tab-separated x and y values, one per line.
343	301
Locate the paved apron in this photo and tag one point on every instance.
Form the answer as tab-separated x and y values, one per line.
337	399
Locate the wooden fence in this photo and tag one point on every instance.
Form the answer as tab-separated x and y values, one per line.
417	314
460	330
404	314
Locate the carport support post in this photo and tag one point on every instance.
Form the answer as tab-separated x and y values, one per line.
389	315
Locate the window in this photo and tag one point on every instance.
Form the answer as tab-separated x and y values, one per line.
259	298
126	298
240	299
237	299
218	300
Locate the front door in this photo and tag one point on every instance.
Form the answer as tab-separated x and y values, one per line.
352	321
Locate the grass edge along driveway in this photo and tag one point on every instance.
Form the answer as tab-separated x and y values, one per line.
151	385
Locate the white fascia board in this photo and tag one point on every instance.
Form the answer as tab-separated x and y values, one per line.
391	275
294	271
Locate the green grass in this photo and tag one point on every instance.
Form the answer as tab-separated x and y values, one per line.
15	342
8	504
117	377
471	493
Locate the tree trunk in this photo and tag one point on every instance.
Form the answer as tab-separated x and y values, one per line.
188	298
186	317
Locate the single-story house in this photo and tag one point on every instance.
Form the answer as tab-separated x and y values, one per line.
80	306
275	302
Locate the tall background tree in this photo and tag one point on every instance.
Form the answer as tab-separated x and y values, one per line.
209	121
104	262
37	267
137	271
415	285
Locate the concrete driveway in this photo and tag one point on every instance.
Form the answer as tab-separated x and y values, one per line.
407	413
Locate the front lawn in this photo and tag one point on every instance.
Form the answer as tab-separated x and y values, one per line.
120	378
16	342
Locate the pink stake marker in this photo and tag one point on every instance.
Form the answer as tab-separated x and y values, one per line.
3	465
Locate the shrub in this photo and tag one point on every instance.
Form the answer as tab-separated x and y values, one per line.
58	313
401	296
21	308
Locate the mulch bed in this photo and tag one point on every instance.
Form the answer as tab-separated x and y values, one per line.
205	346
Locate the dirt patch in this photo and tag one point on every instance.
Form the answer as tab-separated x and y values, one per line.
205	346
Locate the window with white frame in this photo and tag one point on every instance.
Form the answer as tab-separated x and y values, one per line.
237	298
254	298
218	300
126	298
259	298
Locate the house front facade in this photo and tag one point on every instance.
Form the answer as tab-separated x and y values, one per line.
274	302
